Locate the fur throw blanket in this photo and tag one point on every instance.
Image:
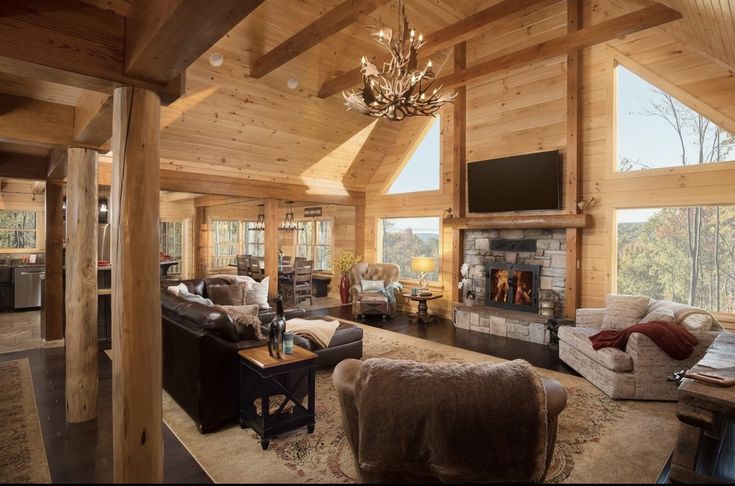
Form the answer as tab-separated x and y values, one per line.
673	339
460	422
246	320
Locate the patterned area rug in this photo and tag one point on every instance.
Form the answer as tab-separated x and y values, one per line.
599	440
22	455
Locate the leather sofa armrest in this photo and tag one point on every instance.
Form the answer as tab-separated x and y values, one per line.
556	396
590	317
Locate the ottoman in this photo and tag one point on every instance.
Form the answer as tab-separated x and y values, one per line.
346	343
373	304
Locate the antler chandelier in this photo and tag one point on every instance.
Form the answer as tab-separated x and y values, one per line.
401	89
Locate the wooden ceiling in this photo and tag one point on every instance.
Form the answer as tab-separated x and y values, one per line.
233	125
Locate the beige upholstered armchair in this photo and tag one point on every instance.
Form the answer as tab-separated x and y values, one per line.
365	302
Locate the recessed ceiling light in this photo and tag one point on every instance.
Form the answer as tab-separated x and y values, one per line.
292	83
216	59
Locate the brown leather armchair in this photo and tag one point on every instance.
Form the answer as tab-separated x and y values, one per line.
364	303
344	377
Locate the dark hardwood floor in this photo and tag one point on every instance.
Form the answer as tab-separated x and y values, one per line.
82	453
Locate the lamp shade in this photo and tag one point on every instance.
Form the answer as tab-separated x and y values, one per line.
423	264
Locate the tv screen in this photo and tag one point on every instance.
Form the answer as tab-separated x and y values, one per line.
515	183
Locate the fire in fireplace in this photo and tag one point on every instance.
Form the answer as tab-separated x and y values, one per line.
512	286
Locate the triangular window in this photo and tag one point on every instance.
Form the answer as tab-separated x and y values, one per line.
422	171
656	130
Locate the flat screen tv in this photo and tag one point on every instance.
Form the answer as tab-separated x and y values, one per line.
521	182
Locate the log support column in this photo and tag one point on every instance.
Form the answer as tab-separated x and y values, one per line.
459	170
271	245
81	286
52	325
136	297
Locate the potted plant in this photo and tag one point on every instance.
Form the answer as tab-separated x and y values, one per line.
344	262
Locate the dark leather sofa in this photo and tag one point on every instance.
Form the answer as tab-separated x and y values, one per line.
200	360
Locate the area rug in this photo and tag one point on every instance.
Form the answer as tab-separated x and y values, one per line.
599	440
22	455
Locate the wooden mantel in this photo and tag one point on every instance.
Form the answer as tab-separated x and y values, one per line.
520	221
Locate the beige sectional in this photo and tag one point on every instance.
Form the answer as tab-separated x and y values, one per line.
639	372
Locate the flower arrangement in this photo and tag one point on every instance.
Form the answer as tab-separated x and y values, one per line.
346	260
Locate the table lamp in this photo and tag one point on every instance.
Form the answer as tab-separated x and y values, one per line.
422	266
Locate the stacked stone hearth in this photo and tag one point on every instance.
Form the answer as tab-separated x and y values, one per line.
550	255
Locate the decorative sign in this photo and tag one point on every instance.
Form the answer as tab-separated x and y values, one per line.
312	212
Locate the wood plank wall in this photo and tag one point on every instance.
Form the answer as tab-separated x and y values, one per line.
524	110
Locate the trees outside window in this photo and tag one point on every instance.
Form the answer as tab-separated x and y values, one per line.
405	238
18	229
171	242
230	238
314	241
254	241
679	253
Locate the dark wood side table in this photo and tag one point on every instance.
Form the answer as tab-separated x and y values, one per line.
423	313
262	377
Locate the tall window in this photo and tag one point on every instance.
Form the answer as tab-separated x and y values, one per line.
314	241
684	254
171	242
404	238
18	229
254	241
423	169
225	242
655	130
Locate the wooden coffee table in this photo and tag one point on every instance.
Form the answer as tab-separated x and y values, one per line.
423	313
262	376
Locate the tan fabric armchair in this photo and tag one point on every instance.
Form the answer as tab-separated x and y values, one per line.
345	376
639	372
372	303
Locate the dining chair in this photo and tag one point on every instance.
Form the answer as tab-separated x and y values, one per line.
243	264
299	288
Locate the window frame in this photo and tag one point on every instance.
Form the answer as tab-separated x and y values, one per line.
437	284
241	242
313	244
38	230
181	265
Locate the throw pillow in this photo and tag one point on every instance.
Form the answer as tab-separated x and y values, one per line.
665	315
258	294
194	298
175	289
227	294
622	311
373	285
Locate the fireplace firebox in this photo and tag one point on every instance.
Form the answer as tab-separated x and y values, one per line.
512	286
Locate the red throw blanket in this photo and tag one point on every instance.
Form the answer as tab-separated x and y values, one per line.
673	339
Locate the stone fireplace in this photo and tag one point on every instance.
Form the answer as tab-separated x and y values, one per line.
508	268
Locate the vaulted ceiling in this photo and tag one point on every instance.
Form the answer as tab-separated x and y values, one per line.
231	124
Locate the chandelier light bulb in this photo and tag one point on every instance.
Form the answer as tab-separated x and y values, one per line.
413	33
292	83
421	37
381	34
216	59
428	64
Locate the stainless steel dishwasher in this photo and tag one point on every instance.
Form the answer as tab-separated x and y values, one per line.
27	281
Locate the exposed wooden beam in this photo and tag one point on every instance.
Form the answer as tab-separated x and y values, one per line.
136	296
57	165
573	161
74	44
712	113
519	221
22	166
459	169
270	260
455	33
93	119
208	201
33	122
163	37
52	314
81	287
605	31
325	26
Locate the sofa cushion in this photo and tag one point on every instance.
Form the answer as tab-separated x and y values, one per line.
209	319
227	294
345	334
661	315
372	285
194	286
194	298
622	311
692	318
258	294
611	358
175	289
